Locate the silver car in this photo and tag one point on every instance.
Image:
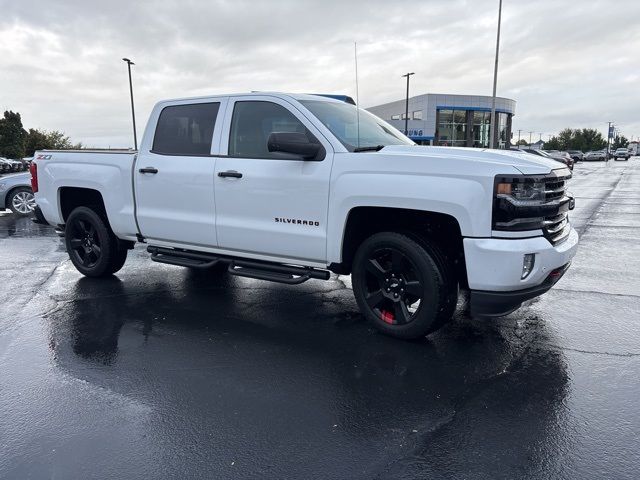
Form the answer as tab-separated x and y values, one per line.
16	194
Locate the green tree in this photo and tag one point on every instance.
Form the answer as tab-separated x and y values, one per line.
620	141
522	141
579	139
42	140
12	135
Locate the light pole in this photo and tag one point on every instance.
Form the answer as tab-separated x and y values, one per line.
406	105
608	140
495	82
133	112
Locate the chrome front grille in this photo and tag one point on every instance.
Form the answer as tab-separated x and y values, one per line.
556	227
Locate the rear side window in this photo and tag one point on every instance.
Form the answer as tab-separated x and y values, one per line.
186	129
254	121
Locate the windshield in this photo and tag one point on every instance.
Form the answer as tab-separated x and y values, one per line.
341	120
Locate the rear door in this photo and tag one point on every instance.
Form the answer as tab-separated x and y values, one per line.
269	203
174	173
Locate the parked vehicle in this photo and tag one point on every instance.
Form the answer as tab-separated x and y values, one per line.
559	156
595	155
292	187
577	155
14	165
621	154
633	148
5	165
16	194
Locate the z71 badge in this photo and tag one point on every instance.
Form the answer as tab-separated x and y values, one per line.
43	157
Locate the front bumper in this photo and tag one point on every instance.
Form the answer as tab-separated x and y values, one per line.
497	304
494	270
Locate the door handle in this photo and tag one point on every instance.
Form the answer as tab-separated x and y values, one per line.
148	170
230	173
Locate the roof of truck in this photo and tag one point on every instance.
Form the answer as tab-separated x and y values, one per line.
326	97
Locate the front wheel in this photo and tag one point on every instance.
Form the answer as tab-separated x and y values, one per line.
403	287
92	246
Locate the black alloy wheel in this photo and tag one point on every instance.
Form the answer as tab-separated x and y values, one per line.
92	247
404	284
394	290
85	243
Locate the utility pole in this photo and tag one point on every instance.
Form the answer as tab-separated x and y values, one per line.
133	112
519	136
530	133
406	105
492	129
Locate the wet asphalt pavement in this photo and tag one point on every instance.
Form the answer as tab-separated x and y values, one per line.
160	372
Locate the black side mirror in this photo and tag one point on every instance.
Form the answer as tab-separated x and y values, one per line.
294	142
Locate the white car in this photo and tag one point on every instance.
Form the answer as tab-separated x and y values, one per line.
595	155
287	188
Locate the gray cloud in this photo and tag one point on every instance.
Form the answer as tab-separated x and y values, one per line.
567	63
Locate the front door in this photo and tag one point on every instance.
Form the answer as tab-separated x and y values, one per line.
270	203
174	175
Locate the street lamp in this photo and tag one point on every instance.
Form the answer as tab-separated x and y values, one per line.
406	105
495	82
133	112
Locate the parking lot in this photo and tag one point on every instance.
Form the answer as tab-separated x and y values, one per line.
161	372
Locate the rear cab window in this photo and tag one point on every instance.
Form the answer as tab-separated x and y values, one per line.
185	130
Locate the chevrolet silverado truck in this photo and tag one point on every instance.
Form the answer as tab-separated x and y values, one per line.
287	188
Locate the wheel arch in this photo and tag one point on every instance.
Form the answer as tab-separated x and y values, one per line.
364	221
70	198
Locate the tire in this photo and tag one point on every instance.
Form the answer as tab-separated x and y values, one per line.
91	245
384	265
21	201
119	259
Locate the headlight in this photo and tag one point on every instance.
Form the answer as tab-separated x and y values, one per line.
526	202
521	192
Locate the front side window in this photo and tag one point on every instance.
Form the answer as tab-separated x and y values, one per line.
355	130
185	129
254	121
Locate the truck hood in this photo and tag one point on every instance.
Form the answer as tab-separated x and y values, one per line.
524	162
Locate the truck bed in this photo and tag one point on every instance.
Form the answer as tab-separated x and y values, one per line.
106	171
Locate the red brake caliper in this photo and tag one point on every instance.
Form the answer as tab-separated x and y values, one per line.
387	317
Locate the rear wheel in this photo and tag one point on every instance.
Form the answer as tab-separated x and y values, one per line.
93	248
403	286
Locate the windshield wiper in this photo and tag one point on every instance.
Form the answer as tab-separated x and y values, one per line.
373	148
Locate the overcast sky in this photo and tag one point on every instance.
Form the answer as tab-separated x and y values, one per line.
567	63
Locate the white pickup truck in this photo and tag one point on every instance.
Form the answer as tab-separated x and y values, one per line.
287	188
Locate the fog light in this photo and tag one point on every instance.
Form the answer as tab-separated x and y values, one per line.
527	264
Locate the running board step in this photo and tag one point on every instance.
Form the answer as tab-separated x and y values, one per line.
182	258
275	273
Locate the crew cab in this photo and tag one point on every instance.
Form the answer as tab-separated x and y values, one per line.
288	187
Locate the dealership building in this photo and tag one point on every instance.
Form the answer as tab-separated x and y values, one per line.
451	120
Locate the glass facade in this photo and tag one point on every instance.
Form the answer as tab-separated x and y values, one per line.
452	128
471	128
481	127
502	129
